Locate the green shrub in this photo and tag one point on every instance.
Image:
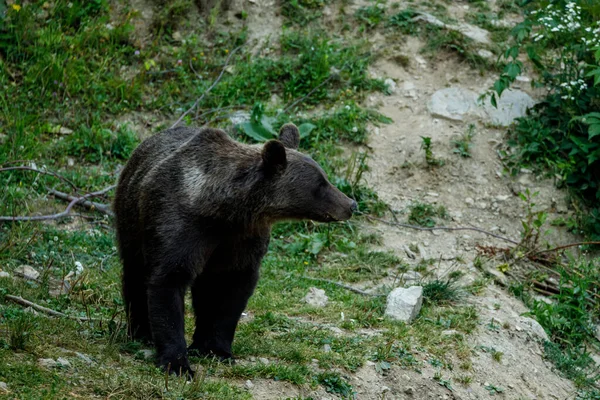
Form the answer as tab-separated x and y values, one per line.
562	134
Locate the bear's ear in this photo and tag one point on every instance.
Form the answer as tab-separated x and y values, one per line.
289	136
274	158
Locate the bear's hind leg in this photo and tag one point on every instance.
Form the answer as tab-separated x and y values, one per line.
135	297
219	298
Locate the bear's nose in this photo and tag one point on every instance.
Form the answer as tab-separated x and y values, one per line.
354	206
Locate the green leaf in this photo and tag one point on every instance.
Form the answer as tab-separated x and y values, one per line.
305	129
594	130
256	132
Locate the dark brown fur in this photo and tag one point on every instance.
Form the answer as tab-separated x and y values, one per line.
194	208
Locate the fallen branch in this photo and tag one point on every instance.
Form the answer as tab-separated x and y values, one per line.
343	286
92	205
62	214
566	246
443	228
40	171
48	311
199	99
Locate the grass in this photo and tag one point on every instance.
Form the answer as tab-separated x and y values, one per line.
425	214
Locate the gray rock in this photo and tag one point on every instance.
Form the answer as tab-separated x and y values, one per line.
404	304
27	272
47	363
390	84
65	131
532	327
4	274
453	103
485	54
3	387
598	332
248	385
85	358
513	104
263	360
316	297
63	362
472	32
326	348
147	354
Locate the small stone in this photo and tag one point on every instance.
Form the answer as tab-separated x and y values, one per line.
523	79
450	332
327	348
177	36
147	354
63	362
404	304
598	332
501	198
4	274
422	251
27	272
3	138
47	362
534	328
409	391
316	297
452	103
3	387
263	360
239	117
63	130
85	358
469	201
70	162
385	389
248	385
485	54
390	84
336	330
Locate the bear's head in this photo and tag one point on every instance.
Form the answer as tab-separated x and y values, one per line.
301	189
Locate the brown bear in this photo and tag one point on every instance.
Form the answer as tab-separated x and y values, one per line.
194	208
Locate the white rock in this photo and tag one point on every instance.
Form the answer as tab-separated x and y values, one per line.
63	362
404	304
47	362
65	131
4	274
412	276
27	271
249	385
453	103
472	32
85	358
316	297
450	332
485	54
390	84
326	348
146	353
533	327
3	387
513	104
469	201
263	360
3	138
598	332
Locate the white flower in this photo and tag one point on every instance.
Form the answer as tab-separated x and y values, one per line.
78	268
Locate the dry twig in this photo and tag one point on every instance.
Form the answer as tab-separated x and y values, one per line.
48	311
92	205
62	214
343	286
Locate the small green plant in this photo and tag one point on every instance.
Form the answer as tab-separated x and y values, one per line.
492	390
20	328
425	214
533	222
334	383
447	383
429	157
441	292
371	16
462	146
260	126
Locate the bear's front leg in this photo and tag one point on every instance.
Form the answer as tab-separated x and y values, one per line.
166	310
219	298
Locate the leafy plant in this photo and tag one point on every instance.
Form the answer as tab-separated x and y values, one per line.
533	222
424	214
429	157
463	145
260	126
562	134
